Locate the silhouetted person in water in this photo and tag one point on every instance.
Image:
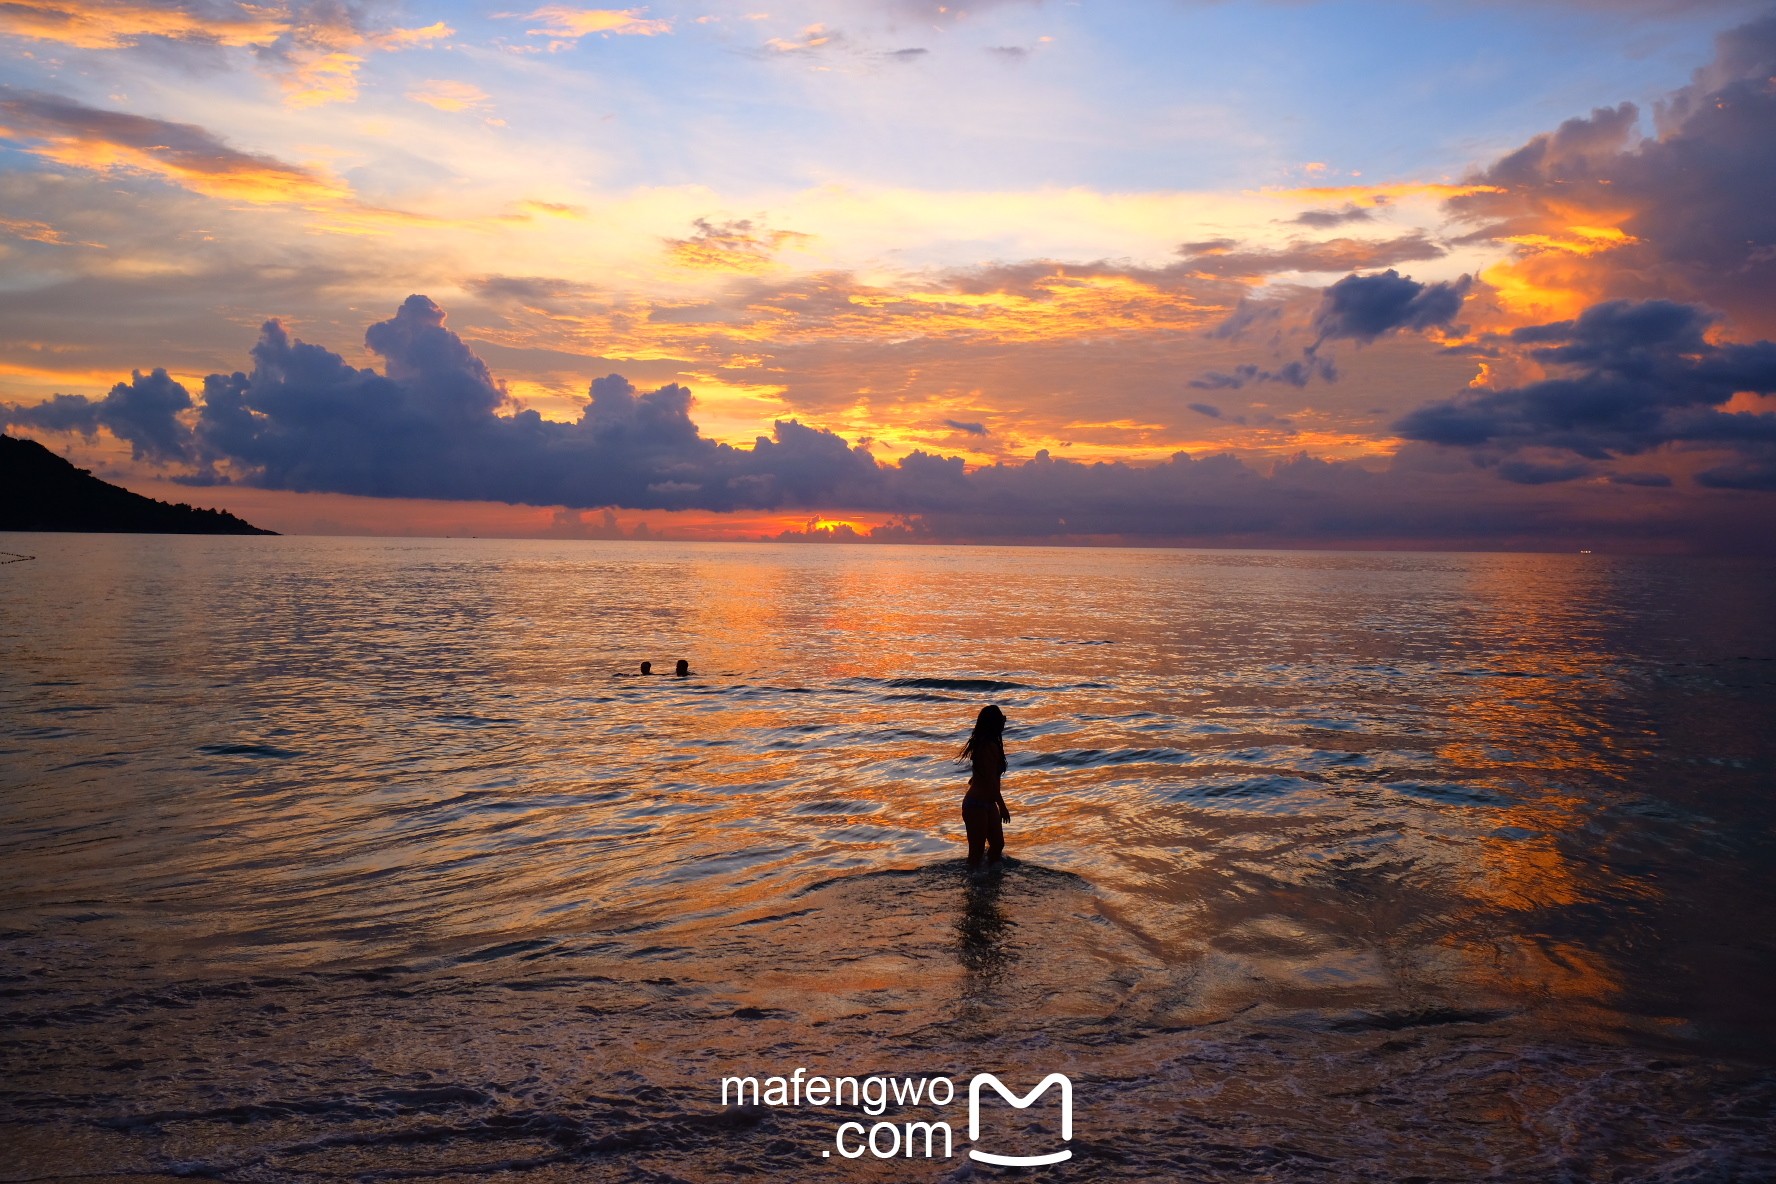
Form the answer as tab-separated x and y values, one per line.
983	807
683	669
647	667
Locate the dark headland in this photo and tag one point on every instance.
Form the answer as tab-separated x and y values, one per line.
41	491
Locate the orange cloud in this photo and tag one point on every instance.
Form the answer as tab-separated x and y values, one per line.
1057	305
1060	303
1556	271
394	39
562	21
73	134
1090	362
894	363
35	232
738	247
320	59
318	77
105	141
1045	302
315	58
448	96
1574	240
813	37
112	26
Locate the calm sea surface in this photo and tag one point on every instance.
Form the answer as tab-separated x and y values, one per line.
370	859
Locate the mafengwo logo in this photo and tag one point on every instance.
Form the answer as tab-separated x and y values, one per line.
1020	1161
904	1139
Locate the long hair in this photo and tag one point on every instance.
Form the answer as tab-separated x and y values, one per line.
989	732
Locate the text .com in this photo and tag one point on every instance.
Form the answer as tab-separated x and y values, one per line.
890	1140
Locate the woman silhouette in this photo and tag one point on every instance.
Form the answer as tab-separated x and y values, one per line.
983	807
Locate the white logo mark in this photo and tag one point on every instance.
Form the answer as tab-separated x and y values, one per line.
1020	1161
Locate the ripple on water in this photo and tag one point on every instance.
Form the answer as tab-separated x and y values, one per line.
1274	794
1408	835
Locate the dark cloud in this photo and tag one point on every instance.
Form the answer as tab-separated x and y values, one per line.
1219	257
1363	307
1215	380
1296	373
1218	497
1640	375
1326	219
436	424
1750	472
1529	472
59	413
1357	308
906	55
1697	233
1700	221
143	411
431	426
530	288
973	429
1206	409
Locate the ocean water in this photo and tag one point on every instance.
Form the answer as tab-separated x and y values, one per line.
365	859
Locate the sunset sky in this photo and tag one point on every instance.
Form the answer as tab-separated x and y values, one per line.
1410	273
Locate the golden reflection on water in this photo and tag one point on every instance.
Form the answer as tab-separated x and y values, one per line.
1326	781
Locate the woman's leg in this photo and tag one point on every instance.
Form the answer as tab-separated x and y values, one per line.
979	820
995	838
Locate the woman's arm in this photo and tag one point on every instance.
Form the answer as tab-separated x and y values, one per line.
998	791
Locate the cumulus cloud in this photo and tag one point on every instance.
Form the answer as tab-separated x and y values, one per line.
1364	307
1358	308
1597	214
436	424
431	426
143	411
1639	375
